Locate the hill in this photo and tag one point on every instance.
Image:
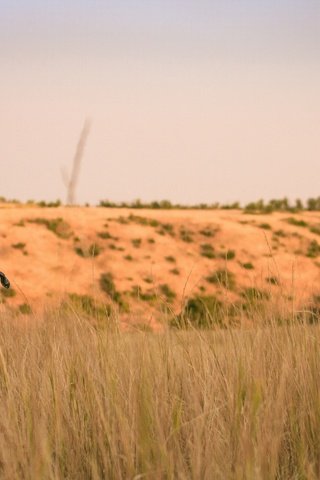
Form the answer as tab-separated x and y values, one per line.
146	262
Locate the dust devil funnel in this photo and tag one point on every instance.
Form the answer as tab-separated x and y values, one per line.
4	281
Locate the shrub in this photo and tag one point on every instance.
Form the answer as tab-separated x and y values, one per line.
265	226
296	222
128	257
247	265
170	259
151	240
200	311
92	251
25	309
19	224
207	232
186	235
56	225
87	305
279	233
145	296
107	286
272	280
175	271
315	229
253	294
18	246
136	242
207	250
313	249
105	235
228	255
224	278
8	293
168	228
167	292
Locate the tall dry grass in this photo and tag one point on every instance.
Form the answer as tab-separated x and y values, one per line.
81	403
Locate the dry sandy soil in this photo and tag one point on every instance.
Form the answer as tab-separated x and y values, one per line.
150	248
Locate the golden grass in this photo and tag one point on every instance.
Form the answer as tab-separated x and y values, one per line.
83	403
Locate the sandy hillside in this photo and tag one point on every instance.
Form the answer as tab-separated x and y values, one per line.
154	257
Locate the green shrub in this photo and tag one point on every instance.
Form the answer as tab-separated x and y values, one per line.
224	278
315	229
265	226
247	265
313	249
18	246
296	222
8	292
105	235
25	309
175	271
253	294
19	224
228	255
56	225
167	292
200	311
87	305
128	257
207	232
140	295
92	251
207	250
136	242
279	233
272	280
107	285
170	259
186	235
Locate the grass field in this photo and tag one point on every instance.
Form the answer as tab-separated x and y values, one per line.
77	402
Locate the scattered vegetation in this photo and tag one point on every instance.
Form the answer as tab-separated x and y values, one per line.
313	249
148	296
175	271
186	235
19	245
223	278
207	250
200	311
56	225
167	291
25	309
170	259
92	250
296	222
254	294
136	242
107	285
7	293
208	232
105	236
86	304
279	233
247	265
273	280
265	226
228	255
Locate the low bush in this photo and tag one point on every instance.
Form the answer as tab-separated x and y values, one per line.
224	278
207	250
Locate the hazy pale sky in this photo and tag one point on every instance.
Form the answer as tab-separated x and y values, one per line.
191	100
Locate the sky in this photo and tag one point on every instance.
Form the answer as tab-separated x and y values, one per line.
192	101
